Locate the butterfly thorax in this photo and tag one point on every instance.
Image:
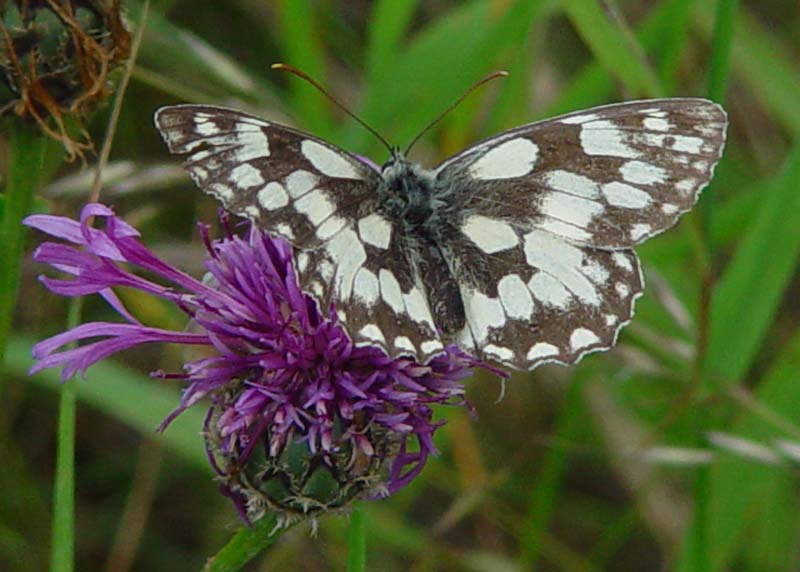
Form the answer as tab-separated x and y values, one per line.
405	195
409	196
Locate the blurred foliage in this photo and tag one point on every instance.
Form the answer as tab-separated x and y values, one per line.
609	465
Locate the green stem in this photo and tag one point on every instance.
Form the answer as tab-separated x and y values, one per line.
62	551
26	148
356	543
246	544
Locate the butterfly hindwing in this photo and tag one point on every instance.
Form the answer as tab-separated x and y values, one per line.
608	177
544	299
380	298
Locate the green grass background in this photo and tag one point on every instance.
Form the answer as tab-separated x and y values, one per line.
672	452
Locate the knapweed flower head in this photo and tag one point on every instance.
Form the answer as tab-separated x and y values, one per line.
301	420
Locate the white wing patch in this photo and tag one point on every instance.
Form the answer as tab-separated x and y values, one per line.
328	161
375	230
488	234
510	159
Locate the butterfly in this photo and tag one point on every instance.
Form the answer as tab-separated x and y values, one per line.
518	249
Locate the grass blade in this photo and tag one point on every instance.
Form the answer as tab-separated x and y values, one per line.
26	148
755	280
546	489
301	49
721	49
614	47
356	542
388	24
128	396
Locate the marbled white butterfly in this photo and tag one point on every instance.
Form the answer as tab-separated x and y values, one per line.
518	249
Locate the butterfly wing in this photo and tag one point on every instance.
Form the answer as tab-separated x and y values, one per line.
320	198
608	177
286	181
551	210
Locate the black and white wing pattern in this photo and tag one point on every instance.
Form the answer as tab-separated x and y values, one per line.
551	210
322	200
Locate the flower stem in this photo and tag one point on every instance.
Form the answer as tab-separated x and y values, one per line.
356	542
246	544
26	148
63	532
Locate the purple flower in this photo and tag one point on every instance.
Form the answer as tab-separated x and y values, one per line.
301	420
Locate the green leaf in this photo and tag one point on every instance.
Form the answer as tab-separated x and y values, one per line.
179	62
127	396
721	49
739	490
752	286
301	48
764	64
614	46
388	23
437	65
26	148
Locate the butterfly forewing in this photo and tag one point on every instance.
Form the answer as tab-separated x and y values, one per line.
289	183
608	177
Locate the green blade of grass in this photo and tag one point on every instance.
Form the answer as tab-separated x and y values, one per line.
129	397
766	66
356	542
594	83
301	48
547	487
388	23
615	48
179	62
755	280
721	49
740	490
26	148
455	50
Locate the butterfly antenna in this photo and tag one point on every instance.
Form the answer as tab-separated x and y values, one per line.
323	91
476	85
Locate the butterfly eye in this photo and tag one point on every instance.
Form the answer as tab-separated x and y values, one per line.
387	164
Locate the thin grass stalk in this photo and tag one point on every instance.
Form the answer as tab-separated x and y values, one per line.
62	547
356	542
717	82
26	148
547	487
719	69
62	555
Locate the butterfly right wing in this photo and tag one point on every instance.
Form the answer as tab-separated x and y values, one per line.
543	254
323	201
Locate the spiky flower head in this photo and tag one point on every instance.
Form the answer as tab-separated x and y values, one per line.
301	420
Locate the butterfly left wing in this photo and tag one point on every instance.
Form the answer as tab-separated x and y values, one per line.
322	200
286	181
550	212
